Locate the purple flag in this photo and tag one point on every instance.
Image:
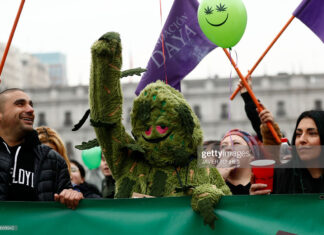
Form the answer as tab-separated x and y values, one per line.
185	45
311	13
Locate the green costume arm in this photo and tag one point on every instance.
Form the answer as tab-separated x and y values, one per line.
206	196
106	101
204	199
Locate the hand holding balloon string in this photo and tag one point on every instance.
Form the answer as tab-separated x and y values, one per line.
253	97
224	24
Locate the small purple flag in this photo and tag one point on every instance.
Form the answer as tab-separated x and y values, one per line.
185	45
311	13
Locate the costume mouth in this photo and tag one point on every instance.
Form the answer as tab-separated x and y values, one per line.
157	140
217	25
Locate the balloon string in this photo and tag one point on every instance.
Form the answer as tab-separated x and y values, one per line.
230	89
230	82
163	51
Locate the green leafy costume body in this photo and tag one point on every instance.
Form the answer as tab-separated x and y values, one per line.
161	159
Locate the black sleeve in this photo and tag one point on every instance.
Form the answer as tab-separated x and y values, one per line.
284	180
89	190
63	176
252	114
4	177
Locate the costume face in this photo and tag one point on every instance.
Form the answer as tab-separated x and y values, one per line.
308	141
18	112
164	125
76	175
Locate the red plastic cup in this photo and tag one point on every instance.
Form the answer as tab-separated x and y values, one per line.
263	172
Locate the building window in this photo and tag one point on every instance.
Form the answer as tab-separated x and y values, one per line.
318	105
24	62
281	111
197	111
224	111
69	149
41	119
68	119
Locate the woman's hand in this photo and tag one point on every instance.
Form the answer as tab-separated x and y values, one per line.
226	166
258	189
243	89
266	116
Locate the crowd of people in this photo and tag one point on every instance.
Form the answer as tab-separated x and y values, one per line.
303	173
34	165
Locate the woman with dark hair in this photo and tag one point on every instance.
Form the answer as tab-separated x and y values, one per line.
304	173
79	183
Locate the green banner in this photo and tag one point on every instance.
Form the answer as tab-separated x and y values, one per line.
296	214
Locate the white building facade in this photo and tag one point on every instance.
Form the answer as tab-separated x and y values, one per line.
22	70
286	96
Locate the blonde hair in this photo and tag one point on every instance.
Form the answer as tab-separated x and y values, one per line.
48	135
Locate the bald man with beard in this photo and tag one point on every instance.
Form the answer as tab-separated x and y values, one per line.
29	171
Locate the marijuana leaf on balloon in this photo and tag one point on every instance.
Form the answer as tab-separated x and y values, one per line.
208	10
221	7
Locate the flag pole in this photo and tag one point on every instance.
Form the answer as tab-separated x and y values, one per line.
162	40
4	57
263	55
255	100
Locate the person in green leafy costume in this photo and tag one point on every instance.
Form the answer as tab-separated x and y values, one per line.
161	159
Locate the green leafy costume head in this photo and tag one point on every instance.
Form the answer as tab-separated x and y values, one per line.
165	126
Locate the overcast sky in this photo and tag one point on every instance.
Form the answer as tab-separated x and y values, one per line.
71	26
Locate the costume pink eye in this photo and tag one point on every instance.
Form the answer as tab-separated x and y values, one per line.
148	131
162	129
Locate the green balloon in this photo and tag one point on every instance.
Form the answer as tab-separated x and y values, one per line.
222	21
92	157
